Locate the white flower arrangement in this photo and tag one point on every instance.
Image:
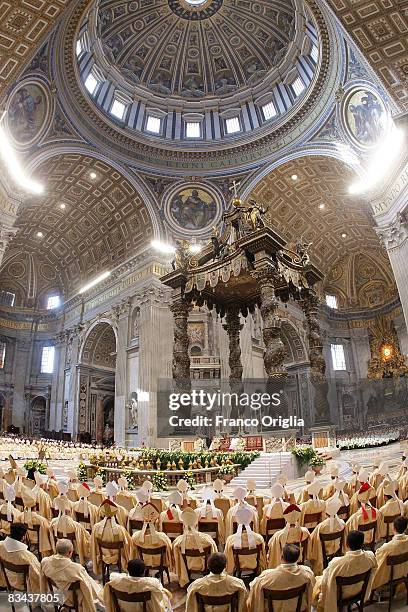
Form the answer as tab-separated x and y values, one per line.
368	441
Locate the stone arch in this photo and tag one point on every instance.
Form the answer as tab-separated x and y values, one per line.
97	369
296	351
38	415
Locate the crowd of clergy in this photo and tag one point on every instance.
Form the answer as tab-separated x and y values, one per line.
106	547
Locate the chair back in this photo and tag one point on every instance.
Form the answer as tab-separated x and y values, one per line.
210	527
159	551
235	526
271	595
194	553
217	600
84	520
3	517
273	525
135	525
74	587
172	529
22	570
344	513
106	566
330	537
246	552
118	596
372	526
313	517
389	520
358	598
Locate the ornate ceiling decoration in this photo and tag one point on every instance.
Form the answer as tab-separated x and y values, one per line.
380	29
100	347
362	279
174	48
103	223
30	276
23	27
294	208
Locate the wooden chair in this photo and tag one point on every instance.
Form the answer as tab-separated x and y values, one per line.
172	529
210	527
54	512
273	525
313	517
235	526
118	596
22	570
358	599
106	566
72	538
271	595
219	600
303	548
247	575
3	517
74	587
373	501
330	537
389	520
344	513
32	545
372	526
84	520
392	562
194	553
135	525
161	568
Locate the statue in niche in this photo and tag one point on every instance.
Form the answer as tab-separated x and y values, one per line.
133	409
135	327
192	88
302	249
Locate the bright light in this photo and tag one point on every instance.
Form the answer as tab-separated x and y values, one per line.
91	83
63	206
195	248
294	177
344	235
96	280
163	247
118	109
47	360
321	206
331	301
232	125
53	302
14	166
153	124
269	111
381	163
92	175
193	129
40	235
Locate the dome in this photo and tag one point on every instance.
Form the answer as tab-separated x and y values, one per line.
211	70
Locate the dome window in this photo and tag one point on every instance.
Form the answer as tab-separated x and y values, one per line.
193	129
79	47
297	87
153	124
314	53
338	357
91	83
331	301
7	298
118	109
53	301
232	125
269	111
3	347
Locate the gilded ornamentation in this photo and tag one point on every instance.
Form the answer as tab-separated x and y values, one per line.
386	360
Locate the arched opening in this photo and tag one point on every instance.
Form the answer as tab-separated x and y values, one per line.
97	385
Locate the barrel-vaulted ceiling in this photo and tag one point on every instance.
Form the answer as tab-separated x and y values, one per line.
88	225
318	208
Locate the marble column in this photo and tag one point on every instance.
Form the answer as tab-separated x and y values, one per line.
121	313
274	353
155	354
394	238
21	363
57	388
6	234
318	378
233	328
72	390
99	418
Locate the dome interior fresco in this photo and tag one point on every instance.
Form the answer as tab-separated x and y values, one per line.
217	47
104	220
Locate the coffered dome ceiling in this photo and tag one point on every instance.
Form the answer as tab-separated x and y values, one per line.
177	48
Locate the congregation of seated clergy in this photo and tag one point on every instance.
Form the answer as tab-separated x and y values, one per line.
106	547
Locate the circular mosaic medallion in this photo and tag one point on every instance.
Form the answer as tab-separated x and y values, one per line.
28	111
193	208
365	117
